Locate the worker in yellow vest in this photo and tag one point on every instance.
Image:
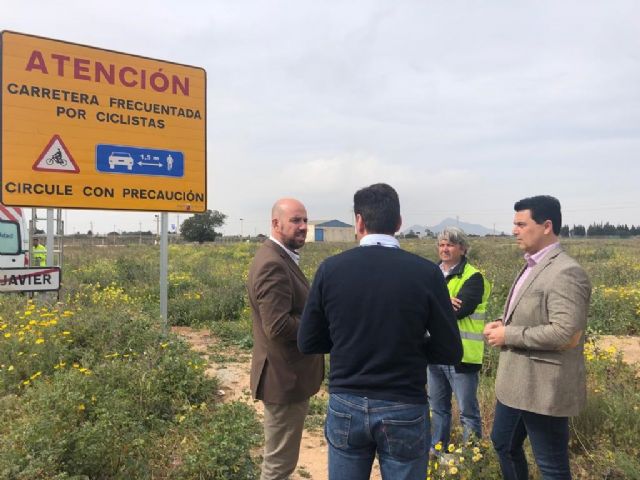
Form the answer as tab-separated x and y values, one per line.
469	291
39	254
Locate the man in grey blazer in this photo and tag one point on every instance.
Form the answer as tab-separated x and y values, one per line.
541	379
282	377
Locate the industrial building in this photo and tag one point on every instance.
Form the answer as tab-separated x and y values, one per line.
330	231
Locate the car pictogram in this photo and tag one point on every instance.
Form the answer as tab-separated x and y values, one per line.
121	158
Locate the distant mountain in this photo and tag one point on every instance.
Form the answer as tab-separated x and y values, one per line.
469	228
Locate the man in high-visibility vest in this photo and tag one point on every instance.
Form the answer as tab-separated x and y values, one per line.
469	291
39	254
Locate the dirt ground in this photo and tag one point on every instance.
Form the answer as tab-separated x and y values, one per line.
629	346
232	369
234	378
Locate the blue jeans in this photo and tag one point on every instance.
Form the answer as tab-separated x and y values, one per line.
358	427
549	437
442	381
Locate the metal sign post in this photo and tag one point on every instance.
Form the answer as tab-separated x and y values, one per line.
49	242
164	268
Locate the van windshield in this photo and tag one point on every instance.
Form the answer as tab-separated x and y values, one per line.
9	238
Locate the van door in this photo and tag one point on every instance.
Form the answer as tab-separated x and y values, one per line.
11	252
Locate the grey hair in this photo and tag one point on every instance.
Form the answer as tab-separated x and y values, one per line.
456	236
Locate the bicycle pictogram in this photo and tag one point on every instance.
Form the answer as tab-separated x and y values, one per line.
57	158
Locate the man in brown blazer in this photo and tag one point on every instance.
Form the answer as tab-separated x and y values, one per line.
541	378
282	377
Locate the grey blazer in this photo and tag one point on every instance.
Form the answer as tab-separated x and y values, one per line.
541	367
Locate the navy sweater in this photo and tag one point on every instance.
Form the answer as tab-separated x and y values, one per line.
369	307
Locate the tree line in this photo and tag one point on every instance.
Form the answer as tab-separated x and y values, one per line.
202	228
600	229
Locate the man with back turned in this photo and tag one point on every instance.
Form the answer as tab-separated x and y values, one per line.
370	308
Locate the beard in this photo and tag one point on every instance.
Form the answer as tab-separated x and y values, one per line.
295	241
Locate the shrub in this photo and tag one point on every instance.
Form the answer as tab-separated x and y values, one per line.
95	389
217	448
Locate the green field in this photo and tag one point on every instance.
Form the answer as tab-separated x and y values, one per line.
91	387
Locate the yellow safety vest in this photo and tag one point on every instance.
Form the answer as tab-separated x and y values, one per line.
471	327
40	255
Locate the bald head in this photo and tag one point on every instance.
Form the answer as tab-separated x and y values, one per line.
289	222
285	204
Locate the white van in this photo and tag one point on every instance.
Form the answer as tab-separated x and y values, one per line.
14	238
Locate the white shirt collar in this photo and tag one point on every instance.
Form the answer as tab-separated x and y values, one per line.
379	239
295	256
445	271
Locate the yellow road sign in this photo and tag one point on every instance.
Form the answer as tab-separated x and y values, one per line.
85	127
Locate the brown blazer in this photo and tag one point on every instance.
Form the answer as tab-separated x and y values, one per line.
541	367
277	293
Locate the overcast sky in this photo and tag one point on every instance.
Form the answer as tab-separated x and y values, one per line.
463	106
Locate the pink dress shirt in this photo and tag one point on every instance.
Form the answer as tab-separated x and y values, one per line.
532	261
